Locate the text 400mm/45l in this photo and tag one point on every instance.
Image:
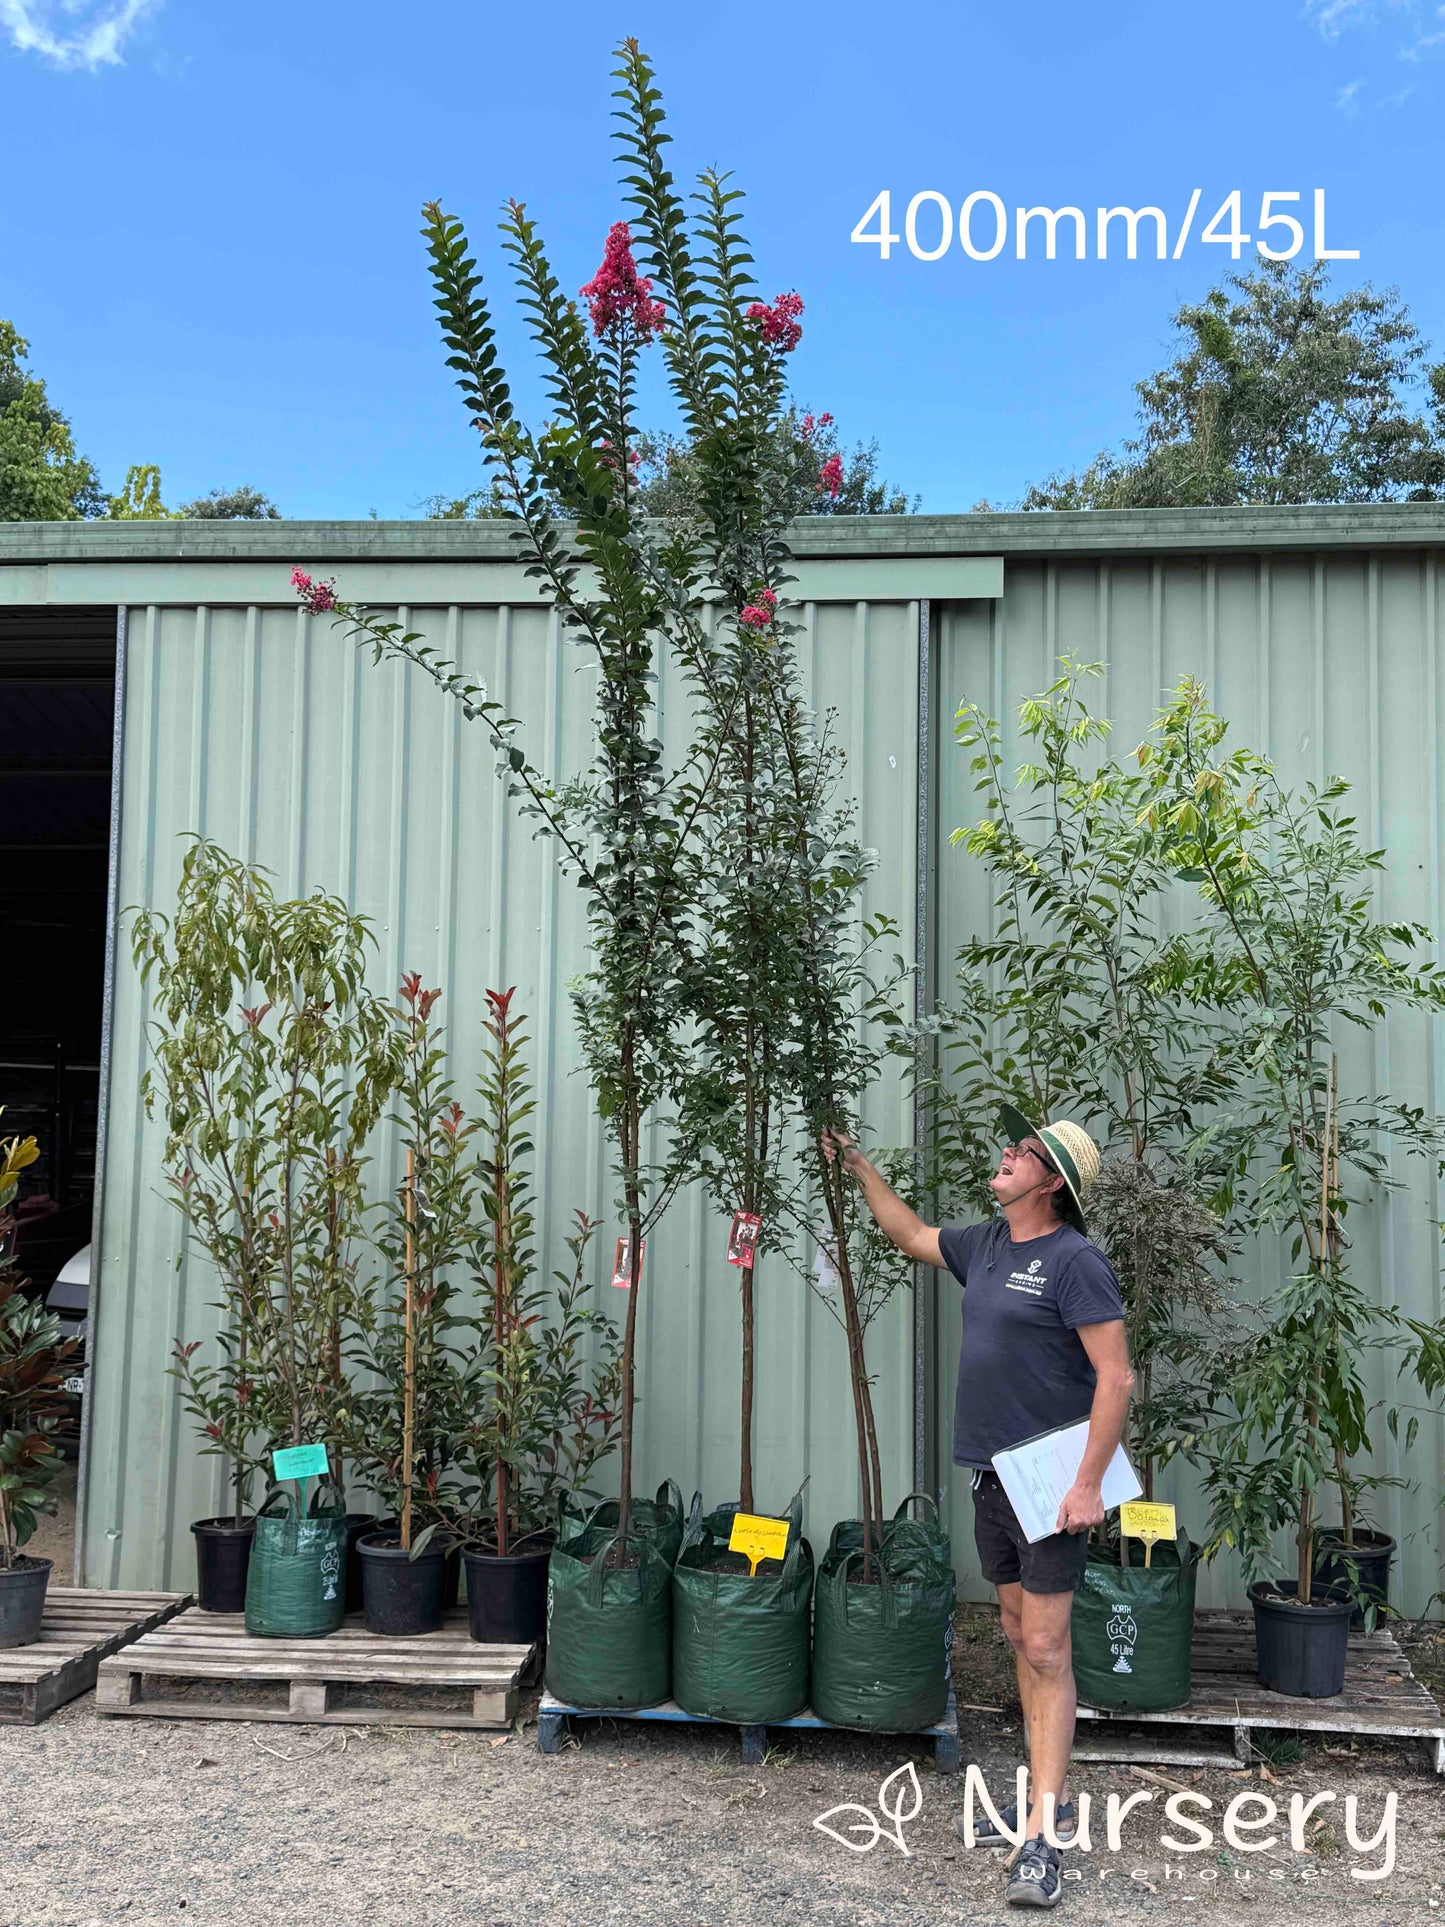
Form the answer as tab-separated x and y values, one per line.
982	225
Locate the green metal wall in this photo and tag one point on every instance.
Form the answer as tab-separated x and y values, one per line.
266	731
1332	664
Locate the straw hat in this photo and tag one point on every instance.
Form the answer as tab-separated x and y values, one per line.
1070	1147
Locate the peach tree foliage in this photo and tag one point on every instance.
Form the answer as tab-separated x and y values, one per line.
271	1064
630	828
1295	955
1077	999
32	1364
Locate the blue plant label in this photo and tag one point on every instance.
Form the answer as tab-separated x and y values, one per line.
300	1462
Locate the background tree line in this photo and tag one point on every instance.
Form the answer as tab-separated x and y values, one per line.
1277	393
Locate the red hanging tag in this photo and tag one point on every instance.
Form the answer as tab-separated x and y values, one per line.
743	1238
622	1263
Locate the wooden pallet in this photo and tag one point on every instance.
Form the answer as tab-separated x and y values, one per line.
80	1627
554	1715
1382	1700
213	1653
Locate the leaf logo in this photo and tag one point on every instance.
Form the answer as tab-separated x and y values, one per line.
906	1804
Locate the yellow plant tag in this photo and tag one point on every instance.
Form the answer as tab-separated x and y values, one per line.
758	1538
1141	1519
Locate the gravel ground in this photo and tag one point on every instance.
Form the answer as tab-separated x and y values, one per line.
275	1825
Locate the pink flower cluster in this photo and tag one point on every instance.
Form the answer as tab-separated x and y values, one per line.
809	425
617	293
830	476
779	324
758	615
318	598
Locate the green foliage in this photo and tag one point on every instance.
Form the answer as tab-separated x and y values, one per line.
528	1417
1294	951
1278	394
1078	1001
241	504
272	1064
42	478
668	481
32	1364
140	498
397	1328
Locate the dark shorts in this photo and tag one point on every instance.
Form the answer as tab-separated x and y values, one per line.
1055	1564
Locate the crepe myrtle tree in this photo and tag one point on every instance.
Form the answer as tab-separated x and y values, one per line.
1294	953
271	1065
1078	997
630	828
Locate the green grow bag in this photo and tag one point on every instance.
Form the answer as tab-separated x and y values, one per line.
1132	1627
609	1629
880	1651
740	1640
908	1539
659	1519
296	1581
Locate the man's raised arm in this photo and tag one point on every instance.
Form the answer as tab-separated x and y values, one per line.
896	1220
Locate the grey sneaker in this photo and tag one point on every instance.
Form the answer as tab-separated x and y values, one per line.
985	1834
1036	1880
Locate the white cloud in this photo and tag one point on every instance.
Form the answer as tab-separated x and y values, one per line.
1333	16
74	33
1345	98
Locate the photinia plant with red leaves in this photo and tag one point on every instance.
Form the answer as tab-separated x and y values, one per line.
32	1364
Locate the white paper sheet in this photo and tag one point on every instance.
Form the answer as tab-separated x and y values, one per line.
1038	1472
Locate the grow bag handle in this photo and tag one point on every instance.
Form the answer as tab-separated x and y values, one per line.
670	1493
927	1498
596	1576
694	1521
586	1513
886	1579
289	1506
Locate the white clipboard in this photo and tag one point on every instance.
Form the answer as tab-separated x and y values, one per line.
1037	1472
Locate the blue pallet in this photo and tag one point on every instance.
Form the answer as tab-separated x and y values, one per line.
554	1715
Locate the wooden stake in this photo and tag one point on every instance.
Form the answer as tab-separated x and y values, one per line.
408	1422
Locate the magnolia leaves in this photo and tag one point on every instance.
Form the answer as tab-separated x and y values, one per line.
904	1804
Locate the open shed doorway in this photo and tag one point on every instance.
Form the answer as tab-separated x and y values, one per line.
57	729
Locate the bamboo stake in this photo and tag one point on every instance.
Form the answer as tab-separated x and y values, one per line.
408	1424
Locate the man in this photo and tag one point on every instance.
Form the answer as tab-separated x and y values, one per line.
1043	1346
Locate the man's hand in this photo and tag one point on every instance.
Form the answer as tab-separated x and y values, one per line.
1083	1507
835	1145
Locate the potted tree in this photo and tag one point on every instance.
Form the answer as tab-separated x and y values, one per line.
1079	998
32	1364
271	1064
1294	949
398	1421
535	1414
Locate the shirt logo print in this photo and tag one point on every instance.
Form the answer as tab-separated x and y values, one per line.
1031	1281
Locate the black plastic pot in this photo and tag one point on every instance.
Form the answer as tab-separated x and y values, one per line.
22	1600
358	1524
507	1597
401	1596
1372	1553
1300	1650
223	1558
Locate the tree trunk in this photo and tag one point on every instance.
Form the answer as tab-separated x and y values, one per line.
745	1479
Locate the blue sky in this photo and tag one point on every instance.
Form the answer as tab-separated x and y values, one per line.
210	229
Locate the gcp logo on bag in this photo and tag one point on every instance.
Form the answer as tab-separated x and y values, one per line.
1123	1636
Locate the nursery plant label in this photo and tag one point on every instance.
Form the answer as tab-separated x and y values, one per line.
622	1263
758	1538
743	1238
1139	1519
300	1462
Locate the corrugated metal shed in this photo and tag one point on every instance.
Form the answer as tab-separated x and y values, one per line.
1319	631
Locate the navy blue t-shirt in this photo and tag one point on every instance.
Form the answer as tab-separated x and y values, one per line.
1022	1368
